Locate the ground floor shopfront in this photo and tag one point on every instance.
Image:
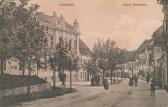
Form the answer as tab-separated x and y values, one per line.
160	71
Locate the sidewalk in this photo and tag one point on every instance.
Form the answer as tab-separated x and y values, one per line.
161	98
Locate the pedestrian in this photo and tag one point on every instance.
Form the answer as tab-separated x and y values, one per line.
152	88
130	81
148	78
92	81
136	80
63	79
105	83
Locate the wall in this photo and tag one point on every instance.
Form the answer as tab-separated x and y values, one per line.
23	90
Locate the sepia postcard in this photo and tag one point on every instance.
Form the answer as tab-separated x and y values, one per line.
83	53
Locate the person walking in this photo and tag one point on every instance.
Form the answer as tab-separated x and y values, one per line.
64	79
152	88
136	80
105	83
131	81
148	78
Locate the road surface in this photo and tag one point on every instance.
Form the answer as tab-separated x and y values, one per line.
119	95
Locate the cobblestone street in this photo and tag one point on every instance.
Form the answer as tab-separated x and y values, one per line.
119	95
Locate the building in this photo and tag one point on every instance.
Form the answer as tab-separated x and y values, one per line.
144	55
129	68
85	57
160	58
57	27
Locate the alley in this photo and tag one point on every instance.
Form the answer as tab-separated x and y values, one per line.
119	95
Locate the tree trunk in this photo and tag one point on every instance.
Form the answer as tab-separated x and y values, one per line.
114	78
76	74
28	82
121	76
2	66
88	76
23	68
111	77
70	78
37	68
103	74
54	78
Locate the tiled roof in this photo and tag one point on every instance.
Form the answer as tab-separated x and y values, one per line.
49	19
69	26
43	17
84	50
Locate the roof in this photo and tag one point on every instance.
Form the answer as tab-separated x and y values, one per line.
50	19
143	46
158	36
158	31
69	26
43	17
84	50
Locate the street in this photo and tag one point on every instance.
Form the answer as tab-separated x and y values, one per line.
119	95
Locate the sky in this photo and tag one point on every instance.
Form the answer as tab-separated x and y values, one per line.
127	22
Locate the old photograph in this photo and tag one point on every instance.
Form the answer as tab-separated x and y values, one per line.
83	53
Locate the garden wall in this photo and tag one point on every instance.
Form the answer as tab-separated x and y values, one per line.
23	90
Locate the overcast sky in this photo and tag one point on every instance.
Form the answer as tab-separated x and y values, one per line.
127	25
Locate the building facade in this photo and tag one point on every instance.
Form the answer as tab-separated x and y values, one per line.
57	28
144	56
70	33
160	58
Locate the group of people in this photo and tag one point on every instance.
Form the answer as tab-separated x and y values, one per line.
133	81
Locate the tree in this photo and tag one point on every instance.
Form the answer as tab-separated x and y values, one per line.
103	54
91	68
6	31
107	56
29	35
62	58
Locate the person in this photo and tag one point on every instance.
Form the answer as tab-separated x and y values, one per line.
64	79
148	78
152	88
130	81
105	83
92	81
136	80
